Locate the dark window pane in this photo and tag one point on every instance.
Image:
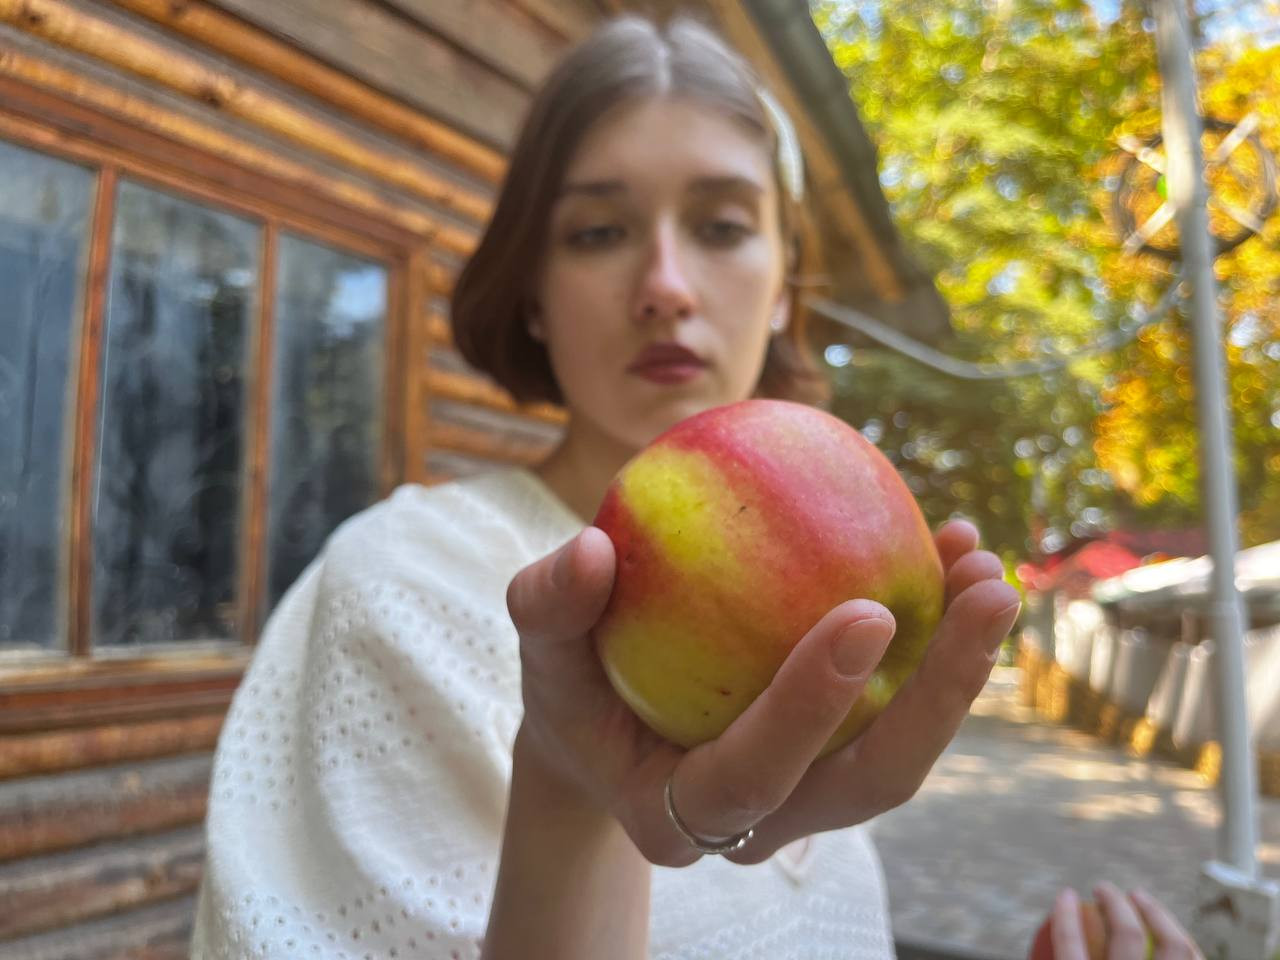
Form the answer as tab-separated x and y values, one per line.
171	433
45	209
326	408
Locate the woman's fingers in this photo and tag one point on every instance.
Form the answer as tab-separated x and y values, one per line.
892	758
1172	942
969	569
954	539
723	787
886	765
1126	934
561	596
1066	928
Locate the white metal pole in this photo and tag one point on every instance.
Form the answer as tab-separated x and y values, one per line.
1188	193
1237	914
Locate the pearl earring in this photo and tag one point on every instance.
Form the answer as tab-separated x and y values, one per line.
778	322
533	323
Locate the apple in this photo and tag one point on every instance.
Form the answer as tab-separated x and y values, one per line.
1095	935
735	532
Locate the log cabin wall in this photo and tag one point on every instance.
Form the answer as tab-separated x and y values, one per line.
377	127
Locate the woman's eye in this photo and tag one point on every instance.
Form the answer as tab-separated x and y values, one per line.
724	233
592	238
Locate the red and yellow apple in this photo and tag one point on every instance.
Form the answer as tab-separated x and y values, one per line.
735	532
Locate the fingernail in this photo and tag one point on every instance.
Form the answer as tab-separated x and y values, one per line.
1001	623
859	647
563	569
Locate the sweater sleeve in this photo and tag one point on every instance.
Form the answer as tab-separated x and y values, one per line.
360	781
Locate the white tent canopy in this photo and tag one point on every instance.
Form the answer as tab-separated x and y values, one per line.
1257	571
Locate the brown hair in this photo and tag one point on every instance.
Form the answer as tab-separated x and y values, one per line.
627	58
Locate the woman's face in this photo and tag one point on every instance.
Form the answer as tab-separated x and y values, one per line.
663	270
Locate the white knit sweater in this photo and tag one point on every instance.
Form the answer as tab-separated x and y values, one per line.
357	802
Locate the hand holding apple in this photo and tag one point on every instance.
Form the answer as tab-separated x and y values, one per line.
1111	927
761	769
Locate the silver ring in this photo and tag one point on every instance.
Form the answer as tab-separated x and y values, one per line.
701	844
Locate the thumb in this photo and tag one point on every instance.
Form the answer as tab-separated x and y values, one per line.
562	595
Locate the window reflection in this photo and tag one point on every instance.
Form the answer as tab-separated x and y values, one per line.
45	209
171	432
326	408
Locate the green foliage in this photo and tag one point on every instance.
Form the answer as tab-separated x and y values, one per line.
997	123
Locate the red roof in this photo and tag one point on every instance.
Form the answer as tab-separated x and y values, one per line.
1074	569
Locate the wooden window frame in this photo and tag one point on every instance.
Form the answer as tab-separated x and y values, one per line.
78	685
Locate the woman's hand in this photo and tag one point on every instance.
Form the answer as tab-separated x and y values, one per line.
885	766
760	772
1138	927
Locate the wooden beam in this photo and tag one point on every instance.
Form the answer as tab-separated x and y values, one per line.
826	185
415	414
36	754
48	893
495	32
253	562
68	810
65	694
159	932
55	674
488	445
384	50
477	391
395	374
571	20
83	712
91	107
231	36
59	24
438	330
440	280
84	450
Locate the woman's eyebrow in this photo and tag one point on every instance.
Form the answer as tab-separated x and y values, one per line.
719	183
727	183
594	188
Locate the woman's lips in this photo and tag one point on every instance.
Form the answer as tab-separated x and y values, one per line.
667	363
667	373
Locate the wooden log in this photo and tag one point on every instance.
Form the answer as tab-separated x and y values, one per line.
440	279
504	37
159	932
572	20
32	754
473	389
102	40
488	445
47	814
383	50
104	103
438	330
62	889
64	694
231	36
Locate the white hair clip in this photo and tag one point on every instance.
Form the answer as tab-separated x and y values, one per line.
790	161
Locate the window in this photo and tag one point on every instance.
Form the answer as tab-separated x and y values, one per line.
212	399
45	209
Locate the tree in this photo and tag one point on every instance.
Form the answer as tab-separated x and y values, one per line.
997	125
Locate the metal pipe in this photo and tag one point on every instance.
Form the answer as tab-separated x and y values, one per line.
1238	834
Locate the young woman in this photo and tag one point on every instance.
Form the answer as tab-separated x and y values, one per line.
425	759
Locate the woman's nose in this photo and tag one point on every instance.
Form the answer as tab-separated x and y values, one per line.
665	293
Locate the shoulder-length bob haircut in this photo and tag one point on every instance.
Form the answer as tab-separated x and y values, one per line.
627	58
